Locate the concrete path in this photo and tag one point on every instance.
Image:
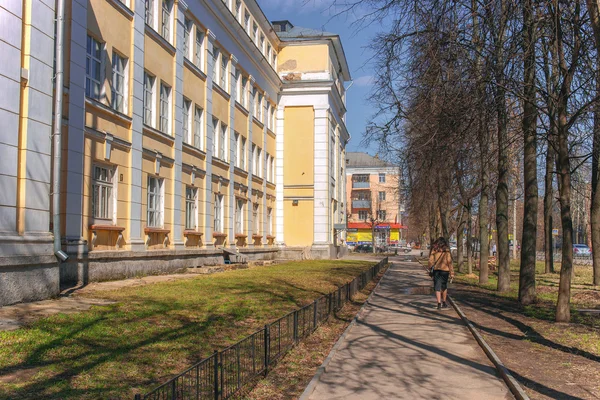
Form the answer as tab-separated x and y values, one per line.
403	348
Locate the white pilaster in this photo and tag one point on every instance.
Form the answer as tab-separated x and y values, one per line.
322	202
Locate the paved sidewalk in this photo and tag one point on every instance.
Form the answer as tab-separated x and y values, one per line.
403	348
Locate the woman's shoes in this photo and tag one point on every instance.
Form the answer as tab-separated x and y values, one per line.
439	307
444	305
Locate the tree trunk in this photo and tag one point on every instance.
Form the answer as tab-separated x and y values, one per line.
548	199
503	261
460	258
469	240
484	239
528	239
594	12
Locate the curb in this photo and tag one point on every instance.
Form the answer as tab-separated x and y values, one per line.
510	380
323	368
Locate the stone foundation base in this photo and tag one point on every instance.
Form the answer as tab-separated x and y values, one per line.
28	282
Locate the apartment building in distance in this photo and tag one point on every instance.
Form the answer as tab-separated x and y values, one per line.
374	200
187	128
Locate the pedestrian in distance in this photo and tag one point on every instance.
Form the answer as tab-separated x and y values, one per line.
441	269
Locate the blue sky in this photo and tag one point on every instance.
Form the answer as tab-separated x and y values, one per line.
318	14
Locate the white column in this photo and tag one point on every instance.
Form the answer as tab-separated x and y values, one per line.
279	222
322	202
208	223
232	150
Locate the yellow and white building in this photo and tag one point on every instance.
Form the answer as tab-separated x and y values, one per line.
186	128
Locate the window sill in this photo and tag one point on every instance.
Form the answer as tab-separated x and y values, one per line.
108	110
222	91
100	227
270	132
189	232
241	172
123	8
243	109
194	68
257	179
223	163
194	150
257	122
160	40
150	131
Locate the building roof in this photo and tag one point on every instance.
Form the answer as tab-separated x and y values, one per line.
357	160
287	32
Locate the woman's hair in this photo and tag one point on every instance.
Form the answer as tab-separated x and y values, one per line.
440	245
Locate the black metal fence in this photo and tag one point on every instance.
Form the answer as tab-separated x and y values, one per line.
225	373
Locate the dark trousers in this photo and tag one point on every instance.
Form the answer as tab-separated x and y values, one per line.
440	280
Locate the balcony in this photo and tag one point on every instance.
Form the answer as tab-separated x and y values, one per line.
361	185
361	203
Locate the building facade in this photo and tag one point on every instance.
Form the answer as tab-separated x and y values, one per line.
374	200
179	120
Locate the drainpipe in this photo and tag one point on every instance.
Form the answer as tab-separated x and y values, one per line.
56	136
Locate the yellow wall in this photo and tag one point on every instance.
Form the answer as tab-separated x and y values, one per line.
306	58
298	228
220	107
298	160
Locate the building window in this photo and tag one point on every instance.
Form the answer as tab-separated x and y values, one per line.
270	221
223	74
238	86
247	22
245	92
150	12
119	83
272	167
187	33
259	113
239	216
267	162
93	69
381	178
257	169
381	196
256	219
252	158
165	108
215	136
363	215
223	142
155	202
187	108
149	81
191	208
199	49
238	11
215	70
103	190
262	43
381	215
237	150
255	33
218	225
165	23
243	154
198	128
269	52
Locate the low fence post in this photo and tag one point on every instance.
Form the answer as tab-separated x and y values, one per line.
329	305
295	326
216	374
138	397
315	314
267	346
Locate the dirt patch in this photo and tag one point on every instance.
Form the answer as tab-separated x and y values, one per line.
19	375
550	360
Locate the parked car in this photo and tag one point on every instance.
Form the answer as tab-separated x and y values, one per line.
581	250
363	248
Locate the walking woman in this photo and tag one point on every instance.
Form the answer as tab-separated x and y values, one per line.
440	259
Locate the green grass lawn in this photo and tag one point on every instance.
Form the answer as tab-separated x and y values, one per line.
155	331
583	293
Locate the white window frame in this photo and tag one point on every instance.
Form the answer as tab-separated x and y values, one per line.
166	20
216	65
188	30
381	196
107	194
94	63
237	137
246	92
164	116
120	73
224	72
255	33
239	216
199	49
191	208
215	126
256	218
150	15
149	99
259	162
253	159
269	221
247	21
363	215
238	86
382	177
381	215
238	11
156	220
243	154
187	121
219	213
260	108
198	141
223	139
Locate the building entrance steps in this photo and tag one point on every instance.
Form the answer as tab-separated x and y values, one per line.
402	347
